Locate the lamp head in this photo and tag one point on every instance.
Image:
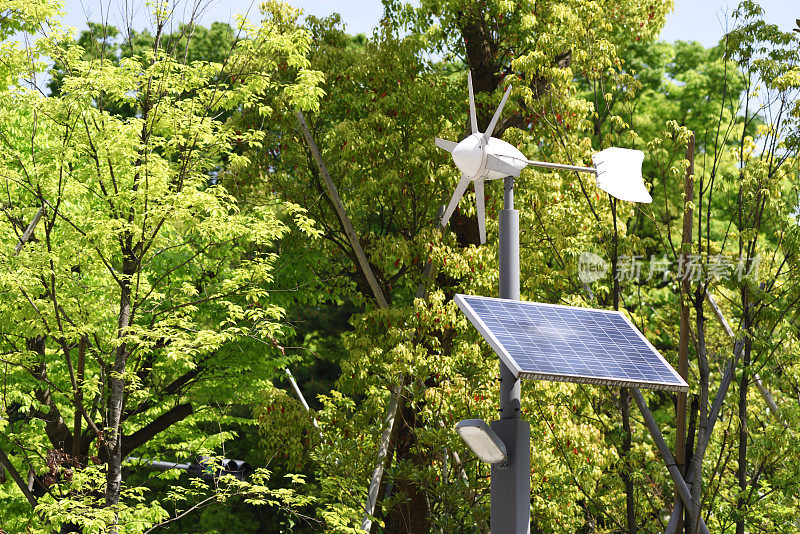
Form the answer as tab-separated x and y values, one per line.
483	441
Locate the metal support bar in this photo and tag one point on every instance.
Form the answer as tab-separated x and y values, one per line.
380	298
680	484
156	464
377	474
675	519
296	389
166	466
342	215
561	167
765	394
299	394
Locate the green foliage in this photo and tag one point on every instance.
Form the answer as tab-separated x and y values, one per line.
189	251
287	429
136	306
585	76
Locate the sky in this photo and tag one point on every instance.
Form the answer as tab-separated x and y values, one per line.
698	20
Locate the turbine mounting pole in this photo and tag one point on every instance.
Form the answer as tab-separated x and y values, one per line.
511	484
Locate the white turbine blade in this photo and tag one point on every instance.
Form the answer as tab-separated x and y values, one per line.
444	144
472	116
481	209
457	194
497	114
493	163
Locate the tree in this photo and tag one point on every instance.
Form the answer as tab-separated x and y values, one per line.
133	309
736	98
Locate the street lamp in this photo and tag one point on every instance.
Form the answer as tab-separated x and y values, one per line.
483	441
481	157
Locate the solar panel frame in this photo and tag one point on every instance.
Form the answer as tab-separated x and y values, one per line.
676	383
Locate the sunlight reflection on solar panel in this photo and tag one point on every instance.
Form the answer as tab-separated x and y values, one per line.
569	344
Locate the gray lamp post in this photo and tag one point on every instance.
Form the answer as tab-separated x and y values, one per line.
511	486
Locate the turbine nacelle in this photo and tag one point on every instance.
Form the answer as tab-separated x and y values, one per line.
470	155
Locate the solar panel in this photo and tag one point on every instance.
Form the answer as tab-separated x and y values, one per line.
569	344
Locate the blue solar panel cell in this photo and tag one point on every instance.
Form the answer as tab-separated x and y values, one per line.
569	344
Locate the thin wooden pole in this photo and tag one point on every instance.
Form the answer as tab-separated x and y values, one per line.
342	215
683	342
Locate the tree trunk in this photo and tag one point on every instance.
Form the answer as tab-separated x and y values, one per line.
76	429
627	480
741	470
681	452
704	372
116	380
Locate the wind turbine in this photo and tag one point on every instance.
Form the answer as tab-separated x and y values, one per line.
481	157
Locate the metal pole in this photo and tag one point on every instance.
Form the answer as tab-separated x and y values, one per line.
509	289
162	466
561	166
511	484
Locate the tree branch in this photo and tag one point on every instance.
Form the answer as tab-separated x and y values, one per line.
170	389
159	424
17	478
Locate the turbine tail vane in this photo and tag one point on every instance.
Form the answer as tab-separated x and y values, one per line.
619	173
